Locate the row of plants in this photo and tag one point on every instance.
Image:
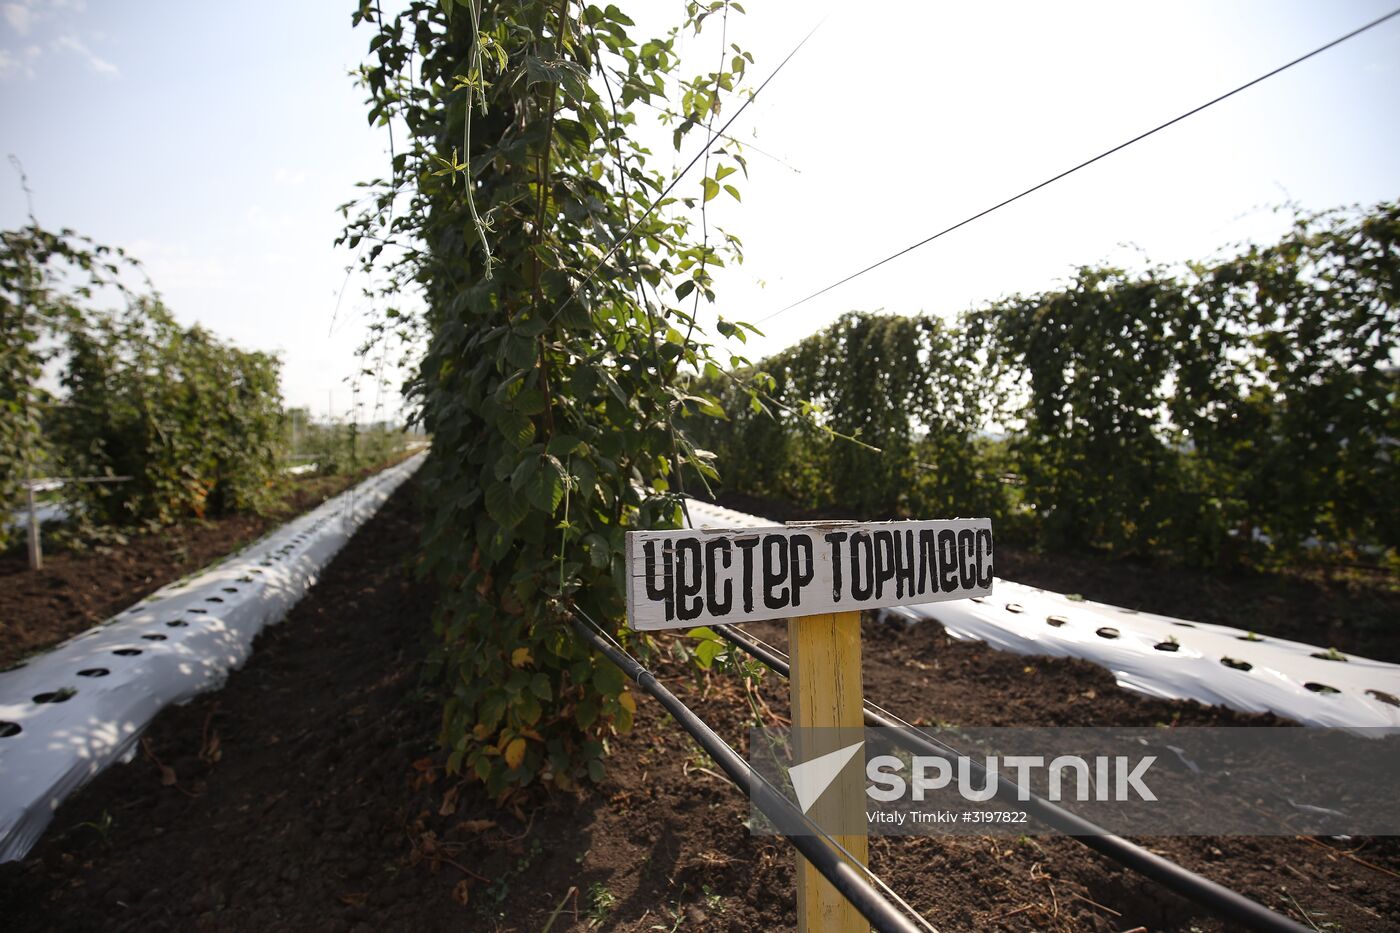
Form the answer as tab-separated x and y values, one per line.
571	396
1248	405
332	446
99	380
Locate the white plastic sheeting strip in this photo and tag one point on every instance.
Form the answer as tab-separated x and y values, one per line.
44	512
1158	655
67	714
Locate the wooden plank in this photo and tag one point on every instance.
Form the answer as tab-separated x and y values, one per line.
680	579
825	684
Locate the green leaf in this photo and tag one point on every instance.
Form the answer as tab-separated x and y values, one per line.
507	508
517	429
520	351
524	471
528	709
546	490
608	679
562	445
586	714
711	189
599	553
707	651
529	402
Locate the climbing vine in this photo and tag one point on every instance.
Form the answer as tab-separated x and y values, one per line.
521	208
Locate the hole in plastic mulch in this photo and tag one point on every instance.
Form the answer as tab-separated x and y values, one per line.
245	579
199	611
1321	688
1015	607
214	599
154	637
94	672
1383	697
1184	624
979	599
230	589
55	696
176	623
8	729
1331	654
1107	632
1056	621
127	652
1237	664
1167	646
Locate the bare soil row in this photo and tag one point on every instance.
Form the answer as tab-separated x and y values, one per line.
305	796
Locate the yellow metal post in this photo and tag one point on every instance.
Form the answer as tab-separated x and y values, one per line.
826	695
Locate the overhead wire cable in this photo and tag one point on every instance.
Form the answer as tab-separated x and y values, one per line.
1087	162
632	228
747	145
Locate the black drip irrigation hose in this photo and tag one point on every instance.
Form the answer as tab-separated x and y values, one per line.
1215	897
791	822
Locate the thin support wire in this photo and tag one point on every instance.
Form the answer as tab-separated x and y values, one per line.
1087	162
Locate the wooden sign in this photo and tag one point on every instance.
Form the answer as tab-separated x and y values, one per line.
680	579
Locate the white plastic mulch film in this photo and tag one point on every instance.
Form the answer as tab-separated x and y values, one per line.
67	714
1160	656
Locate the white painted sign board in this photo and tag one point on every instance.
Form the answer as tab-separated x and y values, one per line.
690	577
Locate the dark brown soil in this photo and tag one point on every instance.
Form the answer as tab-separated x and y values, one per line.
1355	612
306	799
79	588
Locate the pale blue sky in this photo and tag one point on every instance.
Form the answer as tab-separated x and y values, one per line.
215	141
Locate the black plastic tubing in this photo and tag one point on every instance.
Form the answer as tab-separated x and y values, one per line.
790	821
1215	897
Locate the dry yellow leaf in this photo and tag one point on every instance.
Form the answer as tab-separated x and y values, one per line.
515	752
520	657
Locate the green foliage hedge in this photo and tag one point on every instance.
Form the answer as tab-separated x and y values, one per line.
1181	412
196	422
876	416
